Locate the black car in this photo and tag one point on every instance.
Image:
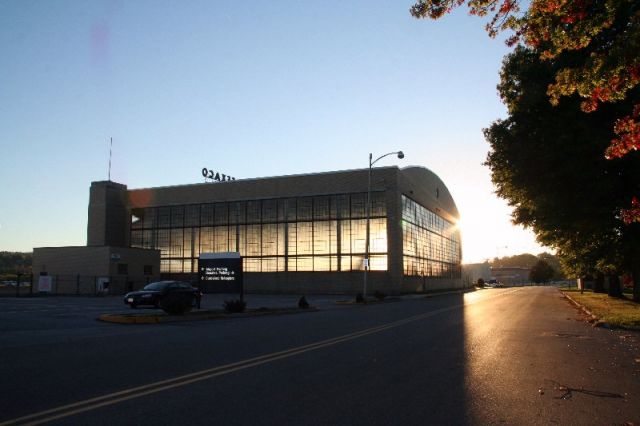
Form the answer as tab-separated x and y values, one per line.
157	293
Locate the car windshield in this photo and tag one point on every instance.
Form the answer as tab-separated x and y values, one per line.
160	285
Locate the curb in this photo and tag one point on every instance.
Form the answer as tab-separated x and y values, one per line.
390	299
197	316
593	318
466	290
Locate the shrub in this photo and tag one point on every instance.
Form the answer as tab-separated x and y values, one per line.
302	303
379	295
480	283
234	306
359	298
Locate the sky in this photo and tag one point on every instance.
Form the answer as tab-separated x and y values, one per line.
247	89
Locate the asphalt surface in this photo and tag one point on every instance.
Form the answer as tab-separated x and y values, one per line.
496	356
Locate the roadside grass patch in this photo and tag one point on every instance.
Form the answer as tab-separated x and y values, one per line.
621	313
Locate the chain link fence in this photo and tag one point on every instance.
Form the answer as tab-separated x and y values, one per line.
67	285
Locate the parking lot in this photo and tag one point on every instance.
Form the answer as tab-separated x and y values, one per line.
50	312
41	320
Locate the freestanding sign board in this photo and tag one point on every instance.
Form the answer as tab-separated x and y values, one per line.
45	283
220	273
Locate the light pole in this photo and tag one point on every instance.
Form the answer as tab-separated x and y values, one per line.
367	238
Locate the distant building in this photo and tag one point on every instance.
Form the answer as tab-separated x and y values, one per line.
471	272
511	275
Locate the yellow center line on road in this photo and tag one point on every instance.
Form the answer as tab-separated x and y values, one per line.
176	382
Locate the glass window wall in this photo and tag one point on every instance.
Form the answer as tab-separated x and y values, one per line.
323	233
431	244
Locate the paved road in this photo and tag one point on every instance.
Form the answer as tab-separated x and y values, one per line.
499	356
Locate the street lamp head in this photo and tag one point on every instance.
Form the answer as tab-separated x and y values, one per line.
400	155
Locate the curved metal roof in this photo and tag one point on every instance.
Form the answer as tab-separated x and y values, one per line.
425	187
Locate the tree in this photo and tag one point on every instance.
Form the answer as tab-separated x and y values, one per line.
606	32
525	260
11	262
547	163
541	272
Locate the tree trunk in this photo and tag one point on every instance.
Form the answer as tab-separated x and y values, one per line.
615	290
598	286
635	275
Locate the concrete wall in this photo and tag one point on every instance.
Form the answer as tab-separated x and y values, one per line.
108	217
429	285
76	269
319	283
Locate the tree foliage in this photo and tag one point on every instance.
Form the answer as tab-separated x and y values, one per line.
13	262
541	272
547	163
606	32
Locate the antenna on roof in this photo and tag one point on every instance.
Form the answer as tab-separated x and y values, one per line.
110	146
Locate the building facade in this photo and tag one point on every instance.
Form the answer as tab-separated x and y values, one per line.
298	233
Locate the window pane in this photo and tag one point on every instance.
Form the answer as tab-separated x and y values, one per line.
232	242
305	263
321	238
206	240
176	243
237	212
207	214
136	239
269	239
345	263
304	211
358	202
304	238
188	241
253	211
162	243
251	264
177	216
164	217
269	264
378	263
150	220
343	206
253	240
357	263
358	235
290	208
192	215
378	205
345	236
221	213
321	263
378	236
269	211
292	239
281	238
321	208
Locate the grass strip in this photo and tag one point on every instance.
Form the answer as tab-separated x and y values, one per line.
617	312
